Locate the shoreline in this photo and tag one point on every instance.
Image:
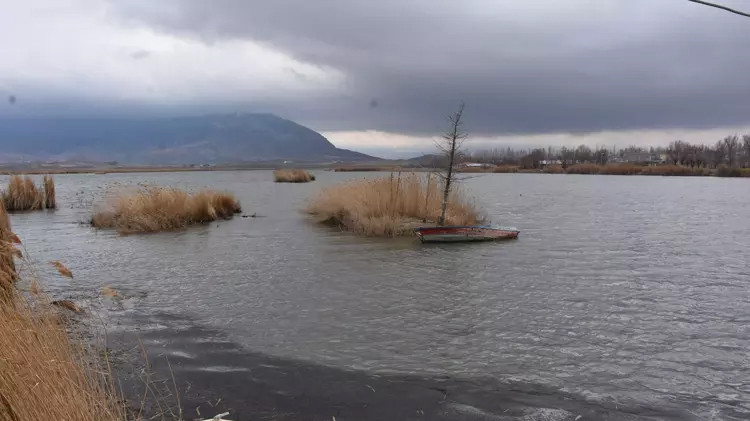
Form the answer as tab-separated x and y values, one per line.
649	171
215	375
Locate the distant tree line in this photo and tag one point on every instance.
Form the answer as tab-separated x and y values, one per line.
731	151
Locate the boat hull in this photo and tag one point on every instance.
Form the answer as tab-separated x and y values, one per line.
452	234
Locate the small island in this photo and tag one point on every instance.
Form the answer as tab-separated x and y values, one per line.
155	209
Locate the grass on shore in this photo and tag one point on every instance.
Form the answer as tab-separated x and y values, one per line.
23	195
389	206
157	209
43	374
292	176
627	169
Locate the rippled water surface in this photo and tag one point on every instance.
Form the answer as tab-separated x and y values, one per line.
632	290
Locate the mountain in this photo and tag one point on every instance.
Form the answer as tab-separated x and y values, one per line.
220	139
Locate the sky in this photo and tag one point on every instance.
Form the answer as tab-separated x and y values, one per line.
381	76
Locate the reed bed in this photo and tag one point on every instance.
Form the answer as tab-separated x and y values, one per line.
46	376
43	374
23	195
50	201
726	171
675	170
583	169
8	251
621	169
389	206
553	169
156	209
293	176
502	169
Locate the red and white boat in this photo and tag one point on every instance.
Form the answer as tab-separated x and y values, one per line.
446	234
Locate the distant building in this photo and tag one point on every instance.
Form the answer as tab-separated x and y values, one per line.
546	162
476	165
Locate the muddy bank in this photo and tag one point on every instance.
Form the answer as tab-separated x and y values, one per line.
214	375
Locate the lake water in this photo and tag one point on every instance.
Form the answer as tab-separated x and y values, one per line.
629	293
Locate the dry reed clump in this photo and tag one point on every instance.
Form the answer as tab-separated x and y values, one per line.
50	201
554	169
23	195
502	169
8	252
620	169
157	209
675	170
292	176
389	206
726	171
583	169
43	374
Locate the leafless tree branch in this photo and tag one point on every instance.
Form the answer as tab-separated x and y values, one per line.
722	7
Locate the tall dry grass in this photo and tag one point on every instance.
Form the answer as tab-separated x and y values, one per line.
554	169
506	169
23	195
675	170
621	169
8	251
389	206
46	376
583	169
292	176
50	201
43	374
157	209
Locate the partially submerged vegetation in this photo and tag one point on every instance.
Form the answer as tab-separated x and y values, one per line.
23	195
43	374
155	209
293	176
390	206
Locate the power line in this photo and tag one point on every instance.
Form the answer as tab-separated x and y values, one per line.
719	6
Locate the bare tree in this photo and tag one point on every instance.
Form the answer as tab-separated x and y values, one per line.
450	144
746	147
731	146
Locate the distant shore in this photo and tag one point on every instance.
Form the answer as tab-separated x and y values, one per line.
584	169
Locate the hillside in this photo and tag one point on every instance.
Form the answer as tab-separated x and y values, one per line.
232	138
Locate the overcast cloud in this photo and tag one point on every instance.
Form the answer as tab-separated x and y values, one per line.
532	67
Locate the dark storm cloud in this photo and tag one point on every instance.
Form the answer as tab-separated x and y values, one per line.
520	66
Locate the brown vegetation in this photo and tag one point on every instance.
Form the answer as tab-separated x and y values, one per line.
64	271
583	169
50	201
157	209
505	169
726	171
389	206
554	169
8	251
621	169
23	195
292	176
675	170
43	375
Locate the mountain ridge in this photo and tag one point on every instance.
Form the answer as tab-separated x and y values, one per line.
214	138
